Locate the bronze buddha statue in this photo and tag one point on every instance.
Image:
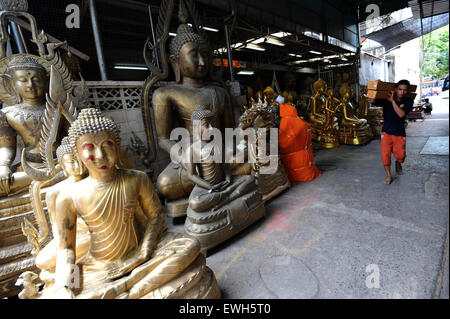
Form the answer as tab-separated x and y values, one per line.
130	255
173	106
220	204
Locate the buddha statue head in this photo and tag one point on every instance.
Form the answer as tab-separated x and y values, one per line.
28	80
269	93
68	160
320	86
189	55
346	94
206	119
330	93
97	142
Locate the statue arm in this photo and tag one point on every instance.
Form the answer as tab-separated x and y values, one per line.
66	229
191	172
152	208
163	113
7	152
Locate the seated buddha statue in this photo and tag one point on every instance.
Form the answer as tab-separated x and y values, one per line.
316	117
74	171
173	106
352	130
27	80
329	138
130	255
364	104
220	204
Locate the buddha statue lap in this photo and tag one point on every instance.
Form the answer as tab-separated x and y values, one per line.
174	104
352	130
130	255
220	205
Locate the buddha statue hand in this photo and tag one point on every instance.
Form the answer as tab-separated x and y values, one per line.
6	179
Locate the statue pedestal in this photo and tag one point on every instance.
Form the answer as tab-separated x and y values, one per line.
355	135
15	251
270	185
214	227
176	208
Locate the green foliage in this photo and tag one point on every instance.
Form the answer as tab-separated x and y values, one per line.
435	63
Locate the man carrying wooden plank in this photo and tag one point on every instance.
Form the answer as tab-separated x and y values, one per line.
393	136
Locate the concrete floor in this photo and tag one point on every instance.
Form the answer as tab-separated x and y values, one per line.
335	236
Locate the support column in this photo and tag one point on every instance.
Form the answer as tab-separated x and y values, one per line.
98	40
230	58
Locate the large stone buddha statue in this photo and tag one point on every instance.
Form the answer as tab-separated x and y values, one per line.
27	79
173	106
130	255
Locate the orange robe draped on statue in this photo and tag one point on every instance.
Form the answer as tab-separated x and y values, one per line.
296	146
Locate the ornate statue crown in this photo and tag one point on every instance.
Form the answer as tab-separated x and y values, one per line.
63	149
184	35
24	62
91	120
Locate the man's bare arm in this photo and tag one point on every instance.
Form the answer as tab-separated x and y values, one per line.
397	108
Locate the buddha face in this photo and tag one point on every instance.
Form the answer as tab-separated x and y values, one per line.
99	153
30	85
193	60
70	165
206	129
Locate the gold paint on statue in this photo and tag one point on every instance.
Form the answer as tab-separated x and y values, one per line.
352	130
129	254
329	138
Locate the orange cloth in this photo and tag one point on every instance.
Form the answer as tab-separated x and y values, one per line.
294	139
392	144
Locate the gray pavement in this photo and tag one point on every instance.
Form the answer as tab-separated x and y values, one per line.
346	234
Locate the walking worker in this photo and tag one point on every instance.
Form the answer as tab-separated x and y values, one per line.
393	135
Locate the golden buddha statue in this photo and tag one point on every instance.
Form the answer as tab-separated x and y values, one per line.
329	138
74	171
220	204
129	255
173	106
317	117
364	104
352	130
28	79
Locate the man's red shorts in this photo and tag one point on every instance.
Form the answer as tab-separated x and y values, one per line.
392	144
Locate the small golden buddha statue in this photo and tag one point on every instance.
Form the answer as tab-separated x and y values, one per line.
352	130
220	204
27	80
364	104
129	254
330	128
173	106
316	117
